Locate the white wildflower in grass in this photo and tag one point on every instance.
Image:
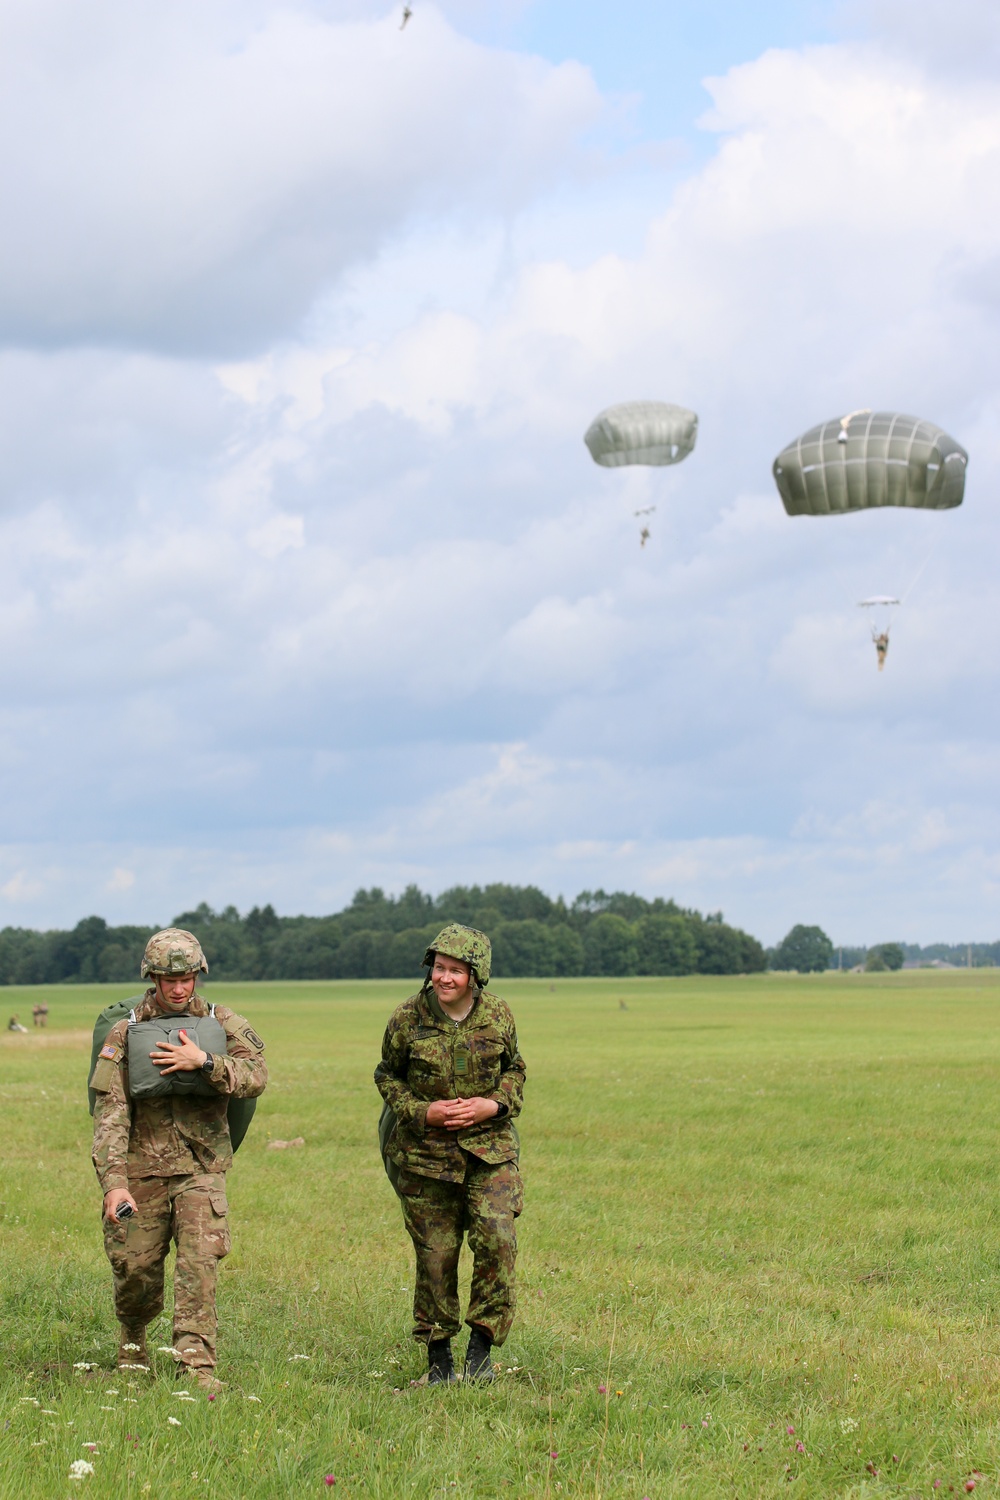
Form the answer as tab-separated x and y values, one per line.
110	1393
293	1357
174	1421
107	1408
254	1398
42	1443
167	1349
47	1413
83	1365
848	1424
31	1399
131	1348
376	1375
79	1469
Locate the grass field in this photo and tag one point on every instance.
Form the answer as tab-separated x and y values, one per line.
759	1256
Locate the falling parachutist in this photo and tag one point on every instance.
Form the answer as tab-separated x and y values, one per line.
644	536
407	13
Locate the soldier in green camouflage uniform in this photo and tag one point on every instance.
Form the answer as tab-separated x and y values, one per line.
168	1158
452	1077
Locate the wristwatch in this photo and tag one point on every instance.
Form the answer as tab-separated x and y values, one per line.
208	1064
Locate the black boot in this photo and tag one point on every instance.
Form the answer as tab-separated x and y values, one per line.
440	1367
478	1364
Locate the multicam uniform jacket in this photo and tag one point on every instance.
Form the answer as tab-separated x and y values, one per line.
427	1056
176	1134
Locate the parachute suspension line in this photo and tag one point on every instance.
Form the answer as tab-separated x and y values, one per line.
916	577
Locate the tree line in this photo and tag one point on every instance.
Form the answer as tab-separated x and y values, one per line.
384	937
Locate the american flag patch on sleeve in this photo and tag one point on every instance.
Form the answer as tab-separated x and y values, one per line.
110	1052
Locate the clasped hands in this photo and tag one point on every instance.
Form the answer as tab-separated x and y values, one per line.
459	1114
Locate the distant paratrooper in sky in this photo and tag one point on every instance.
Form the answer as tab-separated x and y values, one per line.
871	460
642	432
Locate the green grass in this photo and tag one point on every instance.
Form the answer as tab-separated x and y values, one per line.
752	1204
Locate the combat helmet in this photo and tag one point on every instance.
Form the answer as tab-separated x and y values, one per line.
173	951
467	944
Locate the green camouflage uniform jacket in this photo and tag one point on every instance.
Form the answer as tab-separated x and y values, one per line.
176	1134
427	1056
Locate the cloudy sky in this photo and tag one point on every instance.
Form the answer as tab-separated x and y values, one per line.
309	581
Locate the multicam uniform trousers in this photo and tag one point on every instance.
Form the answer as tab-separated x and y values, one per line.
437	1215
191	1210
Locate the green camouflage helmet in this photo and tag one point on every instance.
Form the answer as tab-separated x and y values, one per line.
467	944
173	951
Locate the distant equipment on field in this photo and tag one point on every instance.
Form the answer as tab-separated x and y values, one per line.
867	460
655	433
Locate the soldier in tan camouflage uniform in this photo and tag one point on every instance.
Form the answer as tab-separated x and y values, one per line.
452	1079
167	1157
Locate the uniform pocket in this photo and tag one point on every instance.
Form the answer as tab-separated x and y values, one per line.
116	1244
410	1185
219	1229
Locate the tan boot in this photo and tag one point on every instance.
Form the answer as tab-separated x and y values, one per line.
132	1347
201	1376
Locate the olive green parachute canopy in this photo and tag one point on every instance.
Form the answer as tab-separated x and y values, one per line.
870	459
641	432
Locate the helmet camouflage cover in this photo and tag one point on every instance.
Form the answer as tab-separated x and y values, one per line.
467	944
173	951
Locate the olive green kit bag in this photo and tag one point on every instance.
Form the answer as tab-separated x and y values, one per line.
145	1080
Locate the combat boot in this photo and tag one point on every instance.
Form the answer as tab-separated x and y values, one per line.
440	1366
200	1376
132	1347
478	1361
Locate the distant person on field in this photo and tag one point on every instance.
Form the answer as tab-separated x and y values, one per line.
14	1025
39	1015
167	1156
452	1079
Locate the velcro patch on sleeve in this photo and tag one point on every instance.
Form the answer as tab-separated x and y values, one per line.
251	1036
111	1052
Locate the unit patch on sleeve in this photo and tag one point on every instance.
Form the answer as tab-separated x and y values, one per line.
251	1036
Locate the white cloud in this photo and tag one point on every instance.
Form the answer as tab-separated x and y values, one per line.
266	148
21	887
359	609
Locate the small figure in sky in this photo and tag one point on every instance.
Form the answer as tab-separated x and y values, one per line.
881	646
407	13
644	536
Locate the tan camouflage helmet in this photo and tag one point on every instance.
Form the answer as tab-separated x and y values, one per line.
173	951
465	943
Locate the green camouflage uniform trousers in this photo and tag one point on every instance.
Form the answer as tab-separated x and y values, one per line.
456	1183
172	1154
192	1210
437	1215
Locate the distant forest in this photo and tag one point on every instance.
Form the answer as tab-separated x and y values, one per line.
384	937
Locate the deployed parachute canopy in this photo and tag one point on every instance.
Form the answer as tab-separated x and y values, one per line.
641	432
870	459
